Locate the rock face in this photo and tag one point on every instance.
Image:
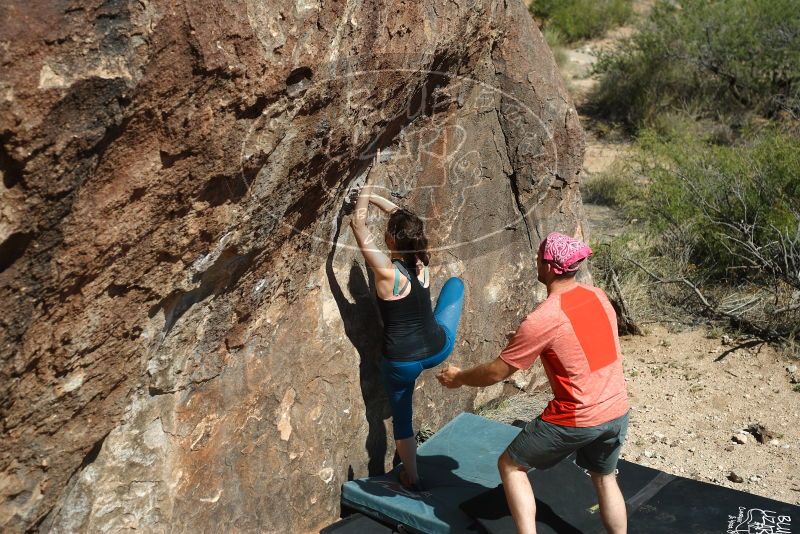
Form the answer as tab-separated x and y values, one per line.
189	340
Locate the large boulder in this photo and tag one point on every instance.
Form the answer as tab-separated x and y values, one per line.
189	339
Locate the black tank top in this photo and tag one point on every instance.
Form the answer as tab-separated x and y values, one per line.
410	331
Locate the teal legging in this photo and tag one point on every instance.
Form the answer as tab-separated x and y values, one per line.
399	376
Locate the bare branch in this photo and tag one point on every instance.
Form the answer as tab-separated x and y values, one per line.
785	309
764	333
747	304
630	323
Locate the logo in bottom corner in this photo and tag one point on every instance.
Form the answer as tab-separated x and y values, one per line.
759	521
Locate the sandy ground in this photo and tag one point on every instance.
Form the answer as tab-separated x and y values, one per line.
691	395
601	152
692	398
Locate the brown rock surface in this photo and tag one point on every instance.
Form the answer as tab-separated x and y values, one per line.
189	341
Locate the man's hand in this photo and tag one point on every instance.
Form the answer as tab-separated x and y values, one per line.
449	377
479	376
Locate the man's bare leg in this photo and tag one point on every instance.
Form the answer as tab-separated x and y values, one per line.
519	494
612	504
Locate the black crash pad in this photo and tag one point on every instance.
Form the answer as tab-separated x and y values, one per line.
657	503
463	494
357	524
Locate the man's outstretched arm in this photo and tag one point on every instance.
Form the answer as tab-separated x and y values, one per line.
481	375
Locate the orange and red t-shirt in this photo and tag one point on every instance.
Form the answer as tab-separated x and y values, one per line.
575	333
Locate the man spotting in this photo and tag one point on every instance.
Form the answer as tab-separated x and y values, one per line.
575	332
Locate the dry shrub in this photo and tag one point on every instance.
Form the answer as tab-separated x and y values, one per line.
720	232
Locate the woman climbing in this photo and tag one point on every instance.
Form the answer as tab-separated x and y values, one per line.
415	337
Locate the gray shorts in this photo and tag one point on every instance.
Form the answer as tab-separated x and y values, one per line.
541	445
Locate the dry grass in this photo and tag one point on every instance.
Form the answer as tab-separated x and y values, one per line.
520	407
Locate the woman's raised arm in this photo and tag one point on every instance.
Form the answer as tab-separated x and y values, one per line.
384	204
375	258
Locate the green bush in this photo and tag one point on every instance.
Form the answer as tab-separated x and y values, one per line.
719	220
728	203
555	40
613	188
722	59
581	19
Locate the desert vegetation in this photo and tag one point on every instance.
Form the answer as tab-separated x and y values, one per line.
725	63
573	20
691	188
717	229
709	95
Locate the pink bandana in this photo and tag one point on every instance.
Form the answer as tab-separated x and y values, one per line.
564	252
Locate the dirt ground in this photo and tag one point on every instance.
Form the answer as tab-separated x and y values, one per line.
691	394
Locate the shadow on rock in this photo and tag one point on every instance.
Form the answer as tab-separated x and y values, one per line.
363	328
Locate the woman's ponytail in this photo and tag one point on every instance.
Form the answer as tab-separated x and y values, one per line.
421	248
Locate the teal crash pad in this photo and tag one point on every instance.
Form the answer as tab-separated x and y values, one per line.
457	464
